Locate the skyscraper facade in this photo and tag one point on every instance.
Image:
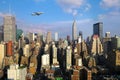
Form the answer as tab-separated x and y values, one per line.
56	36
9	29
74	31
98	29
1	33
49	37
2	54
68	57
96	47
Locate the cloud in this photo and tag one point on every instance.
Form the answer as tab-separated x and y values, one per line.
88	6
73	6
110	3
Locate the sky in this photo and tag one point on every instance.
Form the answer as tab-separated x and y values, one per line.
59	15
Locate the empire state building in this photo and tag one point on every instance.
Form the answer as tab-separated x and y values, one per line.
74	31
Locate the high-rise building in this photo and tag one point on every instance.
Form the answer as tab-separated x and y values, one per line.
9	29
98	29
26	50
97	47
9	48
68	57
113	60
56	36
68	38
74	31
45	61
16	73
54	48
115	42
1	33
31	37
107	34
18	34
2	54
48	37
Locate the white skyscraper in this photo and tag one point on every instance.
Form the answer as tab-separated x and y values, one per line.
56	36
2	54
74	31
45	60
26	50
54	54
9	28
16	73
68	57
31	37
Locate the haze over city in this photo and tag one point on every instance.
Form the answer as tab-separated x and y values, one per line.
59	15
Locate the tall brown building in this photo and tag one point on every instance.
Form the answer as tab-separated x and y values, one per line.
9	48
82	49
48	37
96	47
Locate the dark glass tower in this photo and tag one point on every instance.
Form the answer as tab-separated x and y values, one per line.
98	29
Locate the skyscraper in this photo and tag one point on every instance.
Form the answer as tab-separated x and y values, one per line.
1	33
96	47
2	54
9	28
68	57
48	37
74	31
107	34
56	36
98	29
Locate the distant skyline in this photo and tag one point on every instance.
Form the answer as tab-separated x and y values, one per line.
59	15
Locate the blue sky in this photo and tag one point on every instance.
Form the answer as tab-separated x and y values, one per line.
59	14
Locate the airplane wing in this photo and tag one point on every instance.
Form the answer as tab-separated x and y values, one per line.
34	14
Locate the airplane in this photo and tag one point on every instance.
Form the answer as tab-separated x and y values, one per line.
37	13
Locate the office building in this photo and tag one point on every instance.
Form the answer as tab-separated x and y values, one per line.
21	41
19	32
68	57
48	37
56	36
45	61
31	37
9	28
80	37
10	48
113	61
107	34
96	46
1	33
74	31
115	42
107	46
68	38
98	29
75	75
26	50
2	54
16	73
54	48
